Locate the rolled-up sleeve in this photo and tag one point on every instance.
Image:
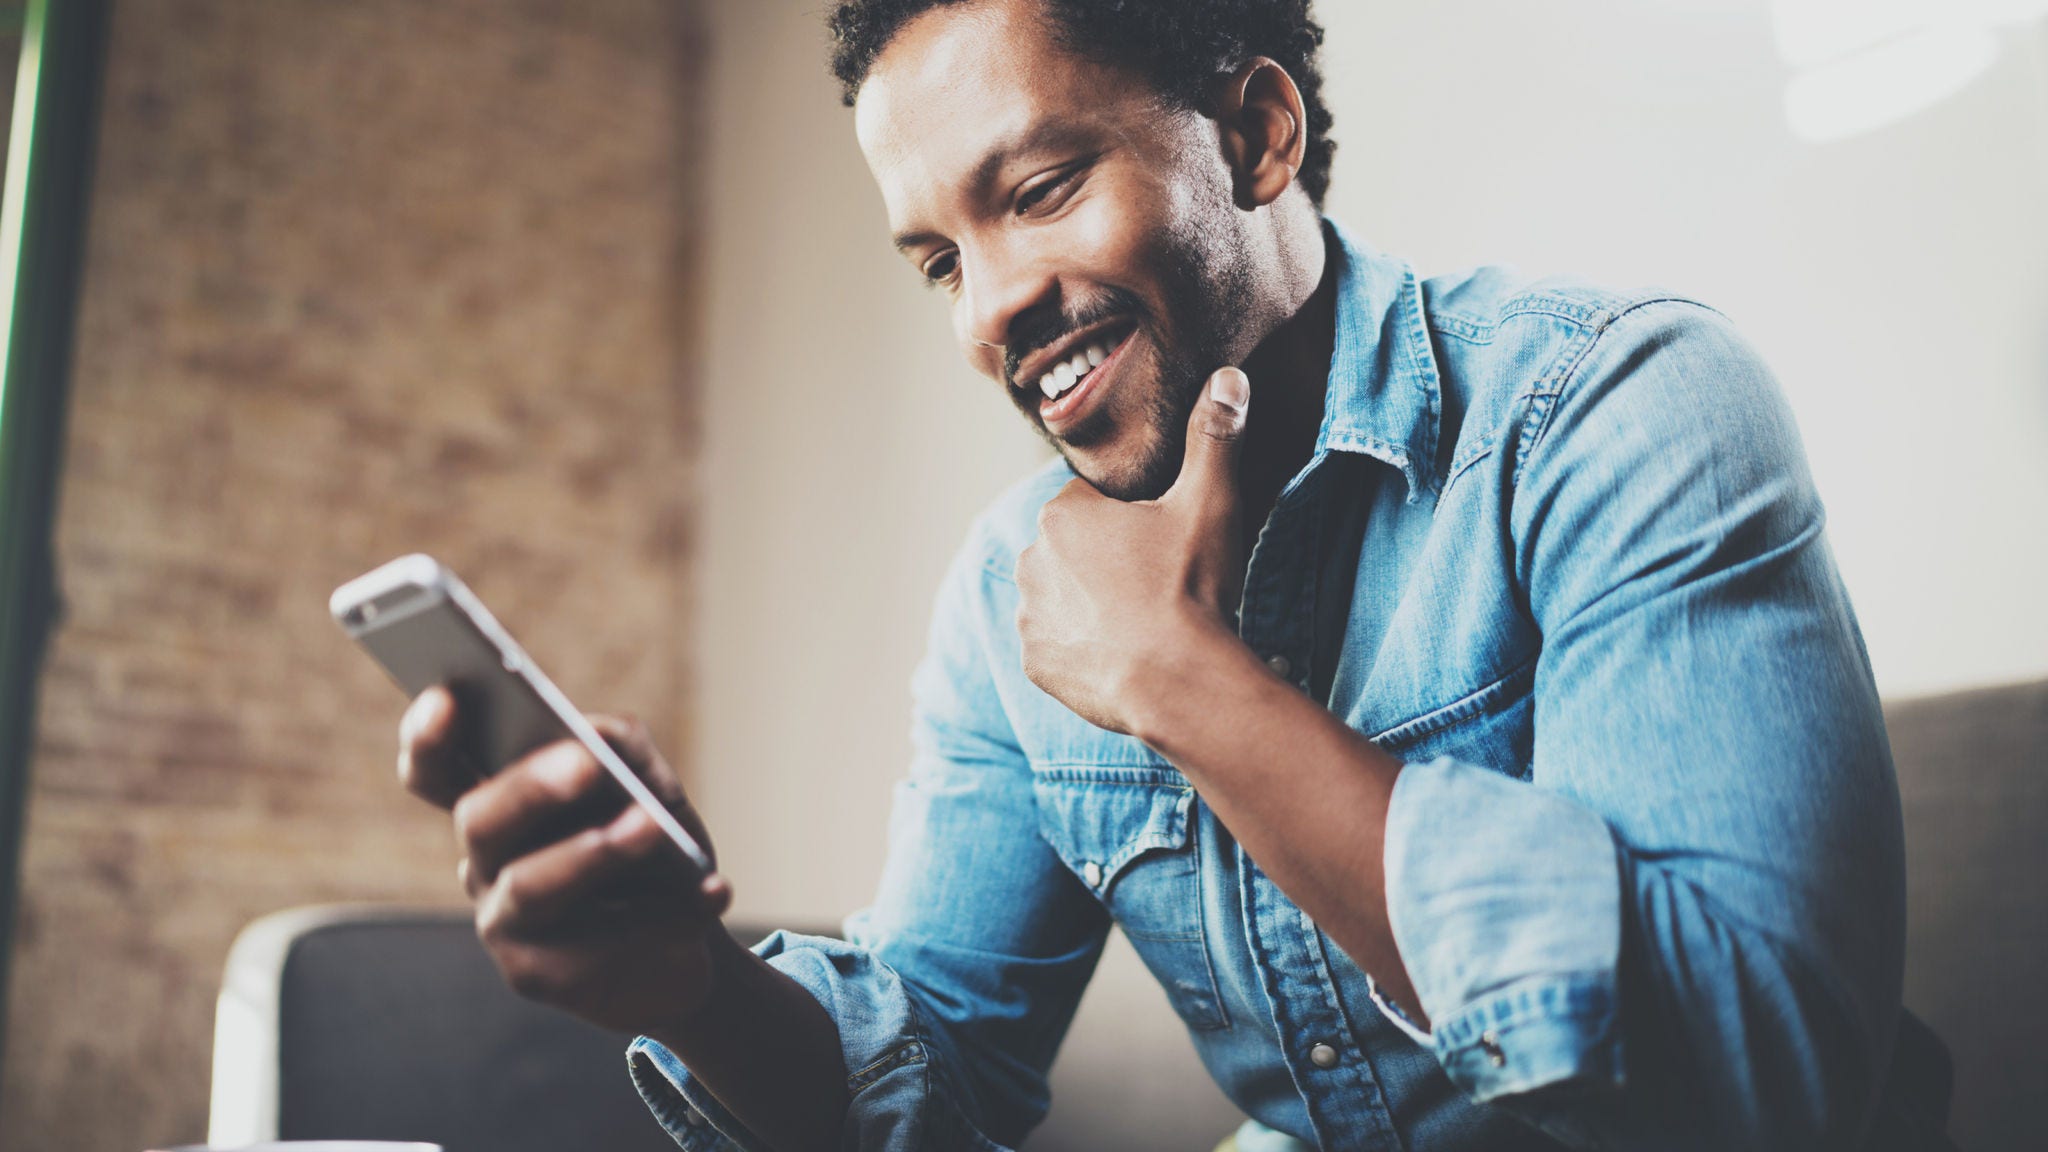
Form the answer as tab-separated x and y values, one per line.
952	992
1685	928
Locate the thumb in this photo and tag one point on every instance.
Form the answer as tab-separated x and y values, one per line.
1209	469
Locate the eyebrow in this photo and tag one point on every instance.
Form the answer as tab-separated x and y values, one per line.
1043	136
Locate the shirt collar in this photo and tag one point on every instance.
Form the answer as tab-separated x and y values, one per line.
1384	397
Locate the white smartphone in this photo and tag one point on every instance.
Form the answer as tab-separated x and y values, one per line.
427	628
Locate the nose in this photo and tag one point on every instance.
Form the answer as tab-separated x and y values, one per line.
998	288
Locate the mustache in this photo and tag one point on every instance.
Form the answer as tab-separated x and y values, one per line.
1042	328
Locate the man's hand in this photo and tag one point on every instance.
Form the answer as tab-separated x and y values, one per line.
583	904
1113	596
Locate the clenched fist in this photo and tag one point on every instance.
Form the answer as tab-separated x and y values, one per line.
1110	592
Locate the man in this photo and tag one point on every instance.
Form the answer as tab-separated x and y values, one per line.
1445	686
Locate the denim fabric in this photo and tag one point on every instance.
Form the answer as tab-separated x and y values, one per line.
1644	861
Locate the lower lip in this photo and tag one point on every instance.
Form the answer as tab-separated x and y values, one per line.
1067	407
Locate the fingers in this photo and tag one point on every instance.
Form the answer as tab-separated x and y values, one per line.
547	795
619	870
635	745
429	763
1215	427
595	926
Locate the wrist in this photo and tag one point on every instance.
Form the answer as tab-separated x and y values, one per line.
721	983
1185	678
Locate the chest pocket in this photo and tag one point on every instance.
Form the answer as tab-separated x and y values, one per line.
1494	727
1128	834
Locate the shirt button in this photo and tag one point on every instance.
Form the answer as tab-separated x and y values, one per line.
1323	1056
1091	874
1490	1044
1279	665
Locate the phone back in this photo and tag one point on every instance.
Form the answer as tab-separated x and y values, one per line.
425	629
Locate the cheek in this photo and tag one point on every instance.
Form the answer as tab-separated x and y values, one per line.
1114	235
1101	240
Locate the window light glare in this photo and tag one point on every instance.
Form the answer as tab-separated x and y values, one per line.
1886	83
1812	32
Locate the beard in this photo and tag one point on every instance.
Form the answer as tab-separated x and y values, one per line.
1205	287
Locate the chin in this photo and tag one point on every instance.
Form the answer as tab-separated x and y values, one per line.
1143	472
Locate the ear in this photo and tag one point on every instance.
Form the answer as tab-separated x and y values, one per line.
1263	128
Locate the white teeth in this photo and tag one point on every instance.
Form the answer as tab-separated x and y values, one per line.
1064	376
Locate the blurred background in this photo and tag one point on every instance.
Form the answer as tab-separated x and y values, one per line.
594	300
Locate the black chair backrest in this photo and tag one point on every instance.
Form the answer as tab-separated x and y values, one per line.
1973	776
402	1030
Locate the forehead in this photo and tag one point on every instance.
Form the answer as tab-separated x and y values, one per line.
960	82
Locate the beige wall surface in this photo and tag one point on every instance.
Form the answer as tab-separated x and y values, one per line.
362	279
846	447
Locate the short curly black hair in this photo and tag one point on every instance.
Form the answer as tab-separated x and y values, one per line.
1181	45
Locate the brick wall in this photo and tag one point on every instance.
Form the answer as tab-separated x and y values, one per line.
362	278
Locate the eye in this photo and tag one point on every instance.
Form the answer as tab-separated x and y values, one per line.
1039	194
941	267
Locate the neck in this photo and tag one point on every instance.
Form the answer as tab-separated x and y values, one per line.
1290	372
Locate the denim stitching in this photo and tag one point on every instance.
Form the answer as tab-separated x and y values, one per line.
911	1052
1473	704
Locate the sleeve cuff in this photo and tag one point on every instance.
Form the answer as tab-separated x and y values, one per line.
1547	1032
1394	1015
1514	950
688	1113
896	1101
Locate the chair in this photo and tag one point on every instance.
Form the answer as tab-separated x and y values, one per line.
1973	778
375	1022
379	1023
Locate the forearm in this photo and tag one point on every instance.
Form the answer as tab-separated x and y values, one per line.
768	1050
1304	794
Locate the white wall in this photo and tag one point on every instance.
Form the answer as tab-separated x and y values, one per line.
1898	282
847	445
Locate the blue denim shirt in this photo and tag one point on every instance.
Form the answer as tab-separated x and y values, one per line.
1644	862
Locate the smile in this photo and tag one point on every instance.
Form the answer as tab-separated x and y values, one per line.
1068	384
1071	372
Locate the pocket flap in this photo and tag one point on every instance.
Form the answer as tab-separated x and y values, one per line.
1101	819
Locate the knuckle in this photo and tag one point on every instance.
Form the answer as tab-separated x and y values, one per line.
512	892
529	973
491	928
563	771
465	814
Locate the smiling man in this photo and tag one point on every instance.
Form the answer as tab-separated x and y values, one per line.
1445	685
